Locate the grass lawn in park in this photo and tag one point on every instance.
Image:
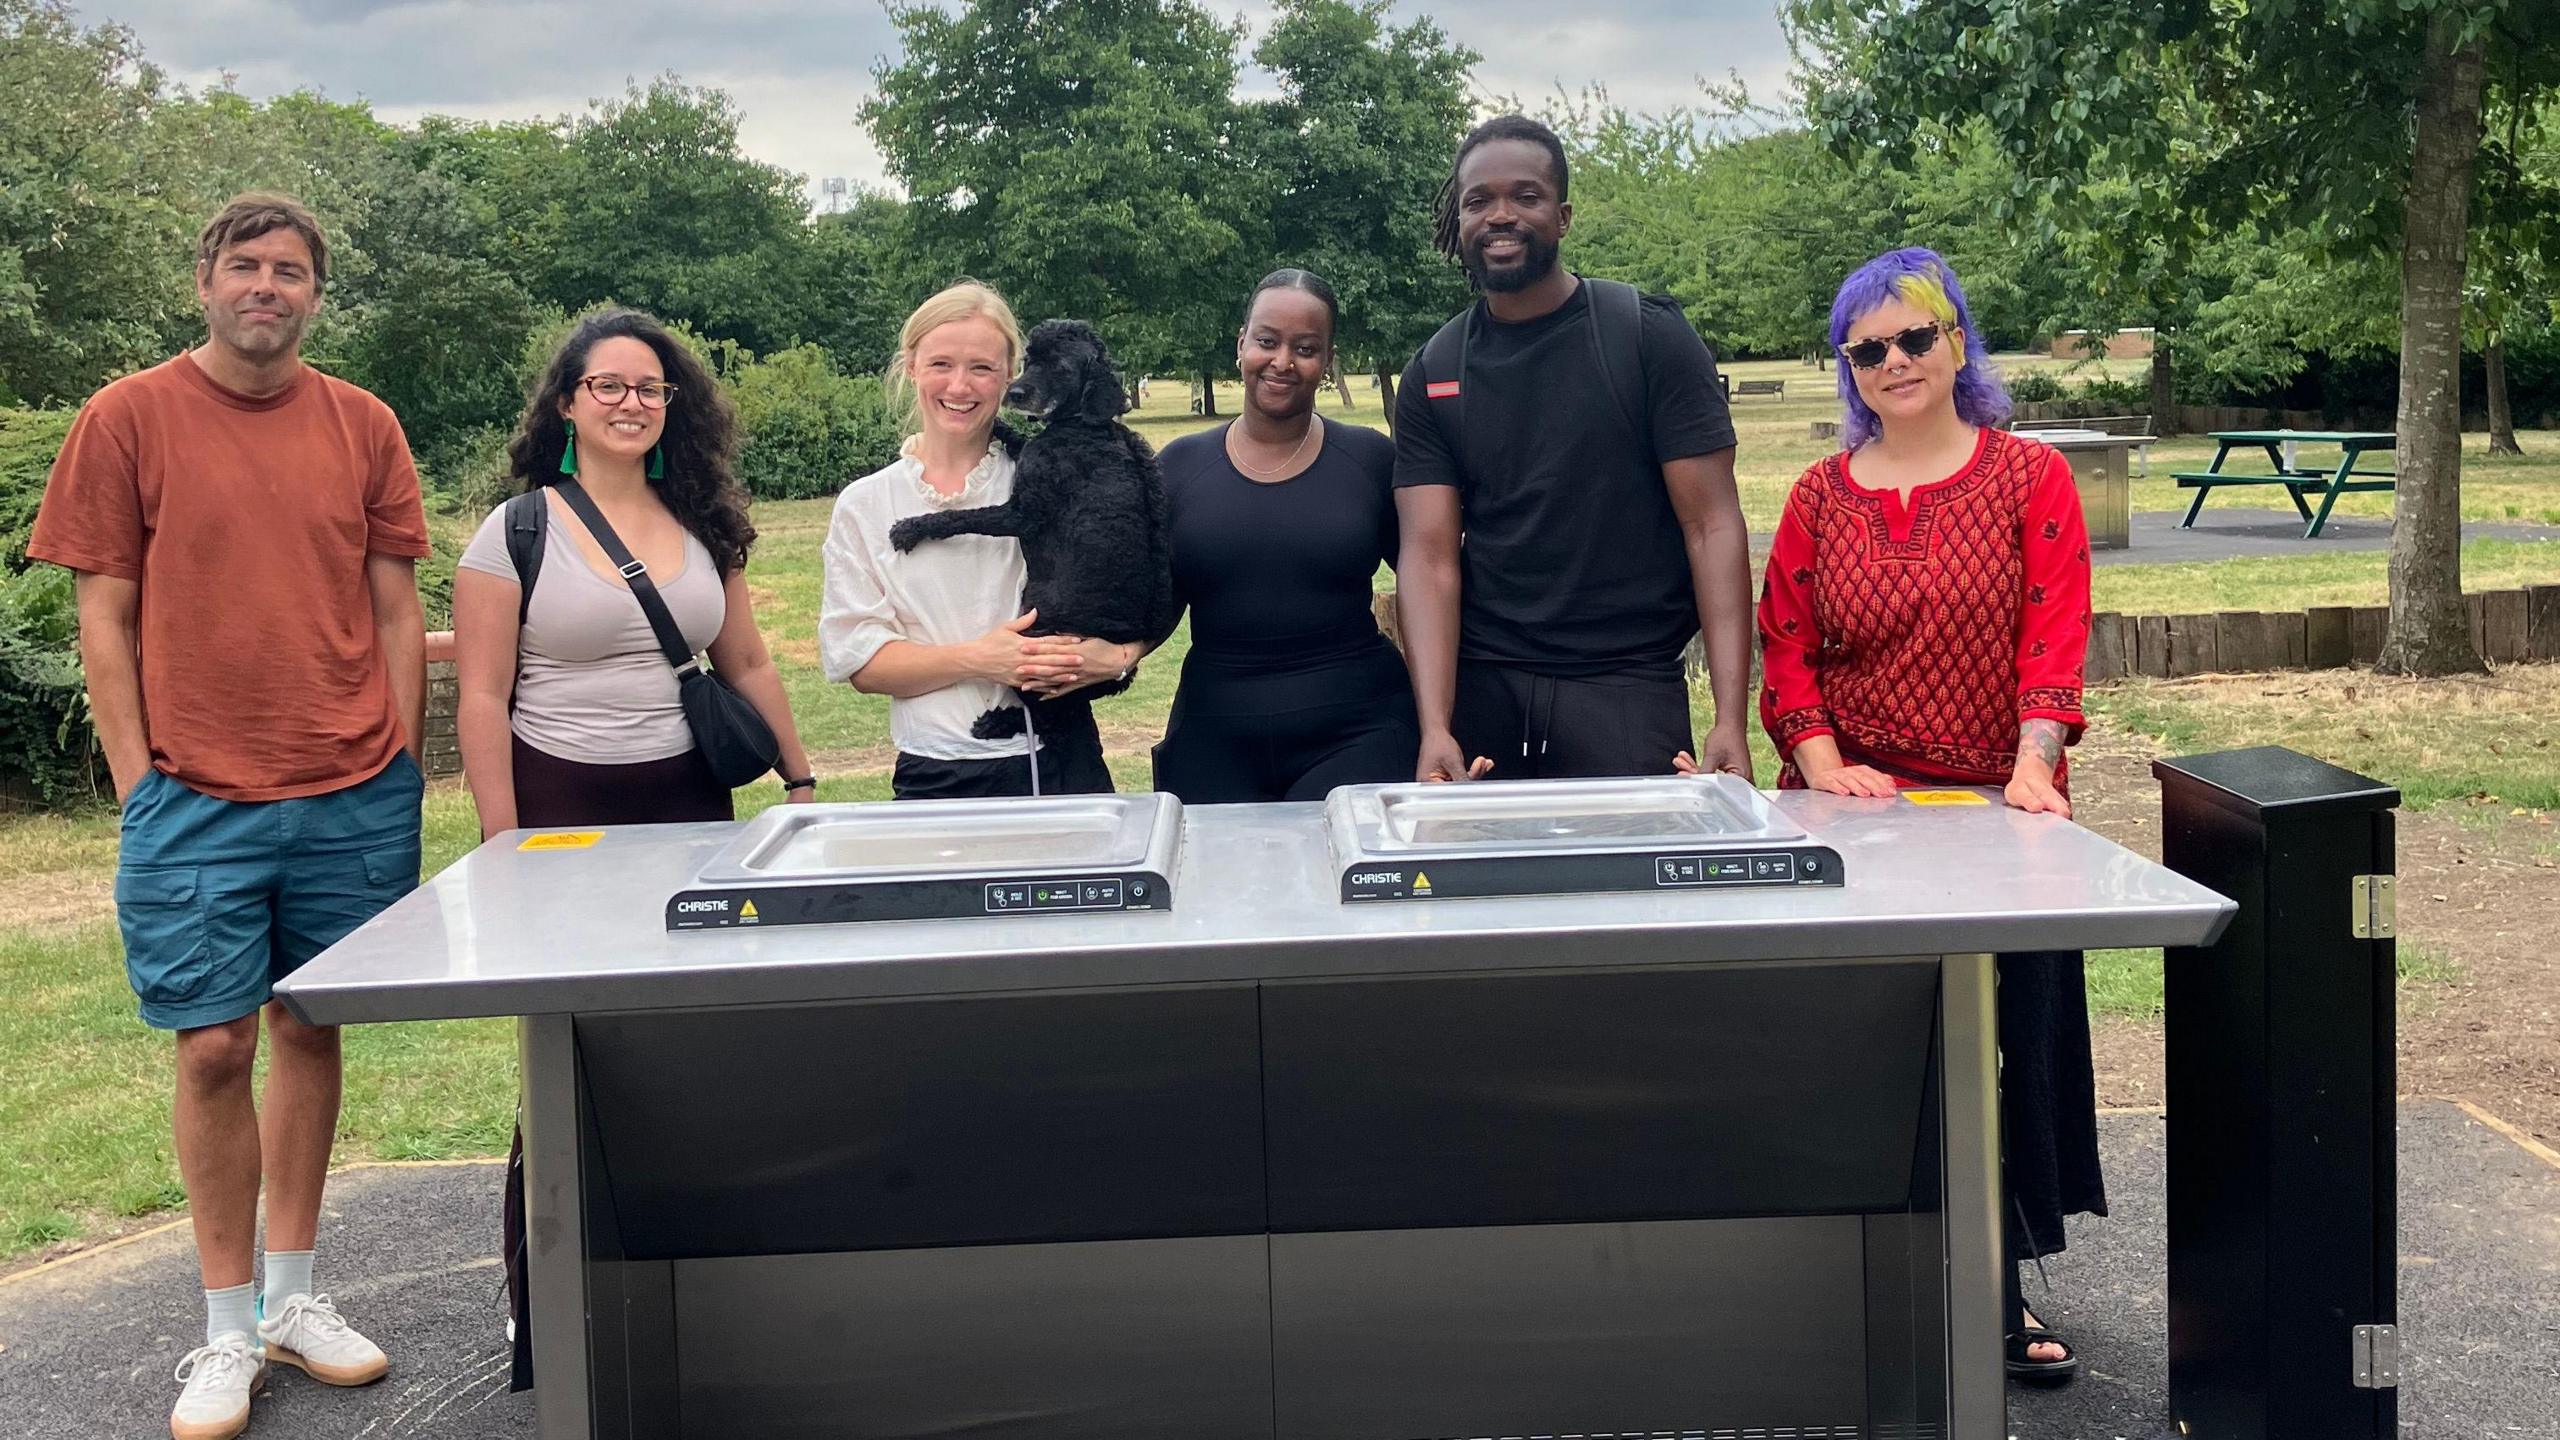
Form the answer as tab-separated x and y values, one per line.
85	1113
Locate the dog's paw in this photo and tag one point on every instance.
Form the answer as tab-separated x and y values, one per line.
907	534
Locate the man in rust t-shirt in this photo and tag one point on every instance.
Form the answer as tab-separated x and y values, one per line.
244	530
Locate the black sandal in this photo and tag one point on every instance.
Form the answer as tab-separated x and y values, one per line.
2039	1372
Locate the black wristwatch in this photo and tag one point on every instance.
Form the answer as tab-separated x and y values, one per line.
805	783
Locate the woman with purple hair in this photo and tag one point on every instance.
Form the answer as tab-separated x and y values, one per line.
1923	623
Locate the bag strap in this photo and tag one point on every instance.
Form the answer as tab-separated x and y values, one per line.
643	589
1444	367
528	526
1617	351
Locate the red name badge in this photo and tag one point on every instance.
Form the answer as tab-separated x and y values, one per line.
1441	390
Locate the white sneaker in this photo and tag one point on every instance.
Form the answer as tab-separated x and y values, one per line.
219	1377
312	1337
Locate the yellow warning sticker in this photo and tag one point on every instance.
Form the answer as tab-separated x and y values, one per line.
1421	882
1944	797
562	840
747	911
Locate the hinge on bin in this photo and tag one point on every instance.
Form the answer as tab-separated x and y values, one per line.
2377	1357
2374	908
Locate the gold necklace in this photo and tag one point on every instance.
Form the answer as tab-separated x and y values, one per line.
1258	473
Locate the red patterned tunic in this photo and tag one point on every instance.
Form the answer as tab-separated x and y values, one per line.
1920	633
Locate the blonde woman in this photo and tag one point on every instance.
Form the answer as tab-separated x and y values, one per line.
937	629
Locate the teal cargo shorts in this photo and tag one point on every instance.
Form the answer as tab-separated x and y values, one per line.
219	899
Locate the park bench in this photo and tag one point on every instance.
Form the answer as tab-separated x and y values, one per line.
2299	481
1761	387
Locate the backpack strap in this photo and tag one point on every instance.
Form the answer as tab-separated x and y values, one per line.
1444	362
528	524
1617	352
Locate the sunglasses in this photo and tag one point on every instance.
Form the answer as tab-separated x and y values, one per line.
1915	342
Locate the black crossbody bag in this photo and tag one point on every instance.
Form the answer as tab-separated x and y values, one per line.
726	728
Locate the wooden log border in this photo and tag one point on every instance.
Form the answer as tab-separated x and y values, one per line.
2509	626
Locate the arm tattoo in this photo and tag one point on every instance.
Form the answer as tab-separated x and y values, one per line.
2042	738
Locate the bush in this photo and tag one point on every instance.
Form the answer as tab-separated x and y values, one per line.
29	439
468	475
2032	386
47	748
809	429
2134	395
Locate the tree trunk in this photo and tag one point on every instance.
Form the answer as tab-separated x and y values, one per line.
2164	392
1208	393
1342	383
1387	390
2430	631
2502	418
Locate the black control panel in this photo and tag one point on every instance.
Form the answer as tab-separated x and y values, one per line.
747	907
1760	867
1451	879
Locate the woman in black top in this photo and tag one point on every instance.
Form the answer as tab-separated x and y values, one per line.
1280	521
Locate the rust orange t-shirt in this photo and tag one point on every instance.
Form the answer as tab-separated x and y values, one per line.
247	523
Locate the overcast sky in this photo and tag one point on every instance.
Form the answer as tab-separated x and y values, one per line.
798	68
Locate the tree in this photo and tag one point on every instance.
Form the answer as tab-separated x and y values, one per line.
439	343
1353	154
865	277
1752	226
90	237
2511	275
658	207
1082	156
2216	140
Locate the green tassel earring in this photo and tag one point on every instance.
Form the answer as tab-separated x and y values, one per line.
657	462
569	452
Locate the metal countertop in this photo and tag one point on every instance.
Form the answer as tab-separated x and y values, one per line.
510	932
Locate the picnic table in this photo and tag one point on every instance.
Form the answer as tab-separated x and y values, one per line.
2299	481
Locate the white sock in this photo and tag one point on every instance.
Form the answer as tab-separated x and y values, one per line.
288	1275
230	1310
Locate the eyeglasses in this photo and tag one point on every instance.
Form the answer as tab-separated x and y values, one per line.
1915	342
609	390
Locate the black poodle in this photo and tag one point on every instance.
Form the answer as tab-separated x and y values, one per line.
1088	506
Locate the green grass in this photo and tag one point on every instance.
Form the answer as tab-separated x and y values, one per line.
2127	983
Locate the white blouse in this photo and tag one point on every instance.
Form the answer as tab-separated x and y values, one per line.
942	592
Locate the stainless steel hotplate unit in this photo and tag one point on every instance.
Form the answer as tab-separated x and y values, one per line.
1565	837
938	859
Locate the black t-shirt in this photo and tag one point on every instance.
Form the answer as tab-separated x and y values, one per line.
1573	563
1281	574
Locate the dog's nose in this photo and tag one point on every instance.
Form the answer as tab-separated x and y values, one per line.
1017	396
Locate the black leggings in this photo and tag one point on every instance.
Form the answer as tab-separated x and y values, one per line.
1239	736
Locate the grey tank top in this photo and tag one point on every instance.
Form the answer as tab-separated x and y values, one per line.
591	683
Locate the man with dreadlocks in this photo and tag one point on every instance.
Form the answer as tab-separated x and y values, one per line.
1573	434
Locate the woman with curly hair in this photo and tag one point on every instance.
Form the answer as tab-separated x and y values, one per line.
1923	623
569	712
